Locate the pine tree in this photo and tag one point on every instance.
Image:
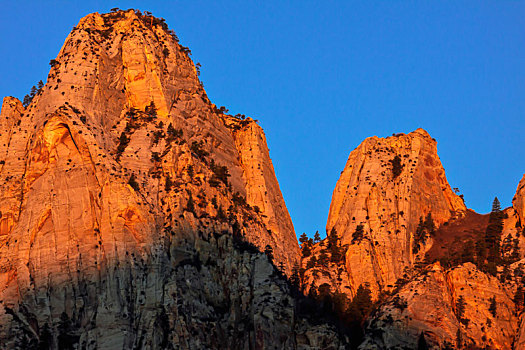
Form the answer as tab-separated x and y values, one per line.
460	308
168	183
303	238
295	278
519	298
332	238
493	308
306	251
190	206
424	229
66	339
422	343
397	167
429	225
151	109
323	258
45	337
268	250
334	247
358	234
305	246
317	237
493	234
467	254
360	306
27	101
312	262
33	91
515	255
221	215
459	339
40	85
122	144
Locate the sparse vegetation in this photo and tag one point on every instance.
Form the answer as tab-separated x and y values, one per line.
397	167
493	307
123	143
220	174
268	250
198	151
190	205
425	229
358	234
35	90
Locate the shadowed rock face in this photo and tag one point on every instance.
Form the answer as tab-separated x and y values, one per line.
119	170
389	205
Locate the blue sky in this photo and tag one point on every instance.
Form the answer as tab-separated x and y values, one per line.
322	76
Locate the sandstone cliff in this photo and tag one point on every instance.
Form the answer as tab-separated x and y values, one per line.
392	215
386	187
459	306
117	165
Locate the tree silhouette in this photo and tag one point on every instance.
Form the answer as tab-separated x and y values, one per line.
493	236
323	258
268	250
422	343
66	337
334	247
190	205
45	337
358	234
133	182
493	308
397	167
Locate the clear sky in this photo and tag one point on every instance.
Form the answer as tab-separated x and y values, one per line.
321	76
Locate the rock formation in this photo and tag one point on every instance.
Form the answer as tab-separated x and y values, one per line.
393	219
386	187
122	189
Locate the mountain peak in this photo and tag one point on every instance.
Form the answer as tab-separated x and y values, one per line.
119	163
387	185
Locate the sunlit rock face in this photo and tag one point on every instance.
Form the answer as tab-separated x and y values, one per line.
119	166
389	203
